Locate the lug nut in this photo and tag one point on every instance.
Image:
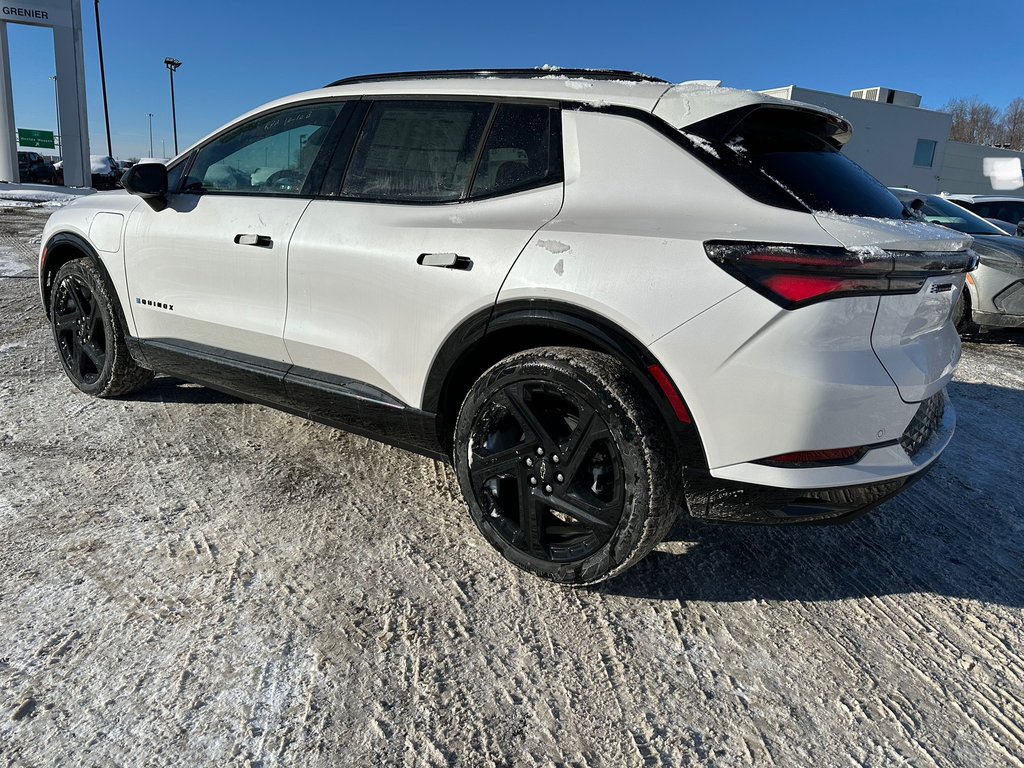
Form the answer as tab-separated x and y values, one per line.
540	451
560	477
529	461
533	480
554	458
548	489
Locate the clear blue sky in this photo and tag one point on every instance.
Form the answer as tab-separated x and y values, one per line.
238	54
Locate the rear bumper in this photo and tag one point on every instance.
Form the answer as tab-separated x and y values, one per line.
755	493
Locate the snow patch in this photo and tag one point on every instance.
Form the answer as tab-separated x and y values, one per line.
703	143
38	195
553	246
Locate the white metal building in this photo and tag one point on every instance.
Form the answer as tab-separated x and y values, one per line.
905	145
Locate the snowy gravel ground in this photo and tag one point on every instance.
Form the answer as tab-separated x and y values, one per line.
192	580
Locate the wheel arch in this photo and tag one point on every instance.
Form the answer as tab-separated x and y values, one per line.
63	247
516	326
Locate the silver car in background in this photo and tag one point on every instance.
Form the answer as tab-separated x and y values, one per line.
994	293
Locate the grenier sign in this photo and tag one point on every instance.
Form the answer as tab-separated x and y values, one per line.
64	17
25	13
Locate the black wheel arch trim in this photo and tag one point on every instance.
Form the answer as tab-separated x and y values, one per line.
47	272
515	325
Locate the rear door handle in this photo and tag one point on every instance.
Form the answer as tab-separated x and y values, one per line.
261	241
447	260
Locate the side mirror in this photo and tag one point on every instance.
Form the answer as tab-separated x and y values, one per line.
147	180
1020	228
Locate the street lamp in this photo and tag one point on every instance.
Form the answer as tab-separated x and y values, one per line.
56	103
172	66
103	79
151	134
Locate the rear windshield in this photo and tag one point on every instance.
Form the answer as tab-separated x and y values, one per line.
830	181
796	151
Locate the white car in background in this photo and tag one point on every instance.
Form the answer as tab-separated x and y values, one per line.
604	298
1004	211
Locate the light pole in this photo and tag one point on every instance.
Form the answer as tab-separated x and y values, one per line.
56	103
103	79
151	134
172	66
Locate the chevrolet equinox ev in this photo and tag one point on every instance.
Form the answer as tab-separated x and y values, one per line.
606	299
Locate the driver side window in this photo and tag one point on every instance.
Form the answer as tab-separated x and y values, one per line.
270	154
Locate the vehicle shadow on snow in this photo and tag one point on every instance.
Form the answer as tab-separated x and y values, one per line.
167	389
958	533
1003	336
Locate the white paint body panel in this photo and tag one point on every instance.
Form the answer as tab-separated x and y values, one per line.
360	306
223	294
912	335
77	219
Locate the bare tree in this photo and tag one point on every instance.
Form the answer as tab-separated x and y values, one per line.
1013	125
974	121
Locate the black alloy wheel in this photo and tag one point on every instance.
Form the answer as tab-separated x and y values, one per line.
80	331
90	341
546	471
560	458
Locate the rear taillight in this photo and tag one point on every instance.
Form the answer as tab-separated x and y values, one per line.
794	276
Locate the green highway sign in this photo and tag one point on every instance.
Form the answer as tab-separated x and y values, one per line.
31	138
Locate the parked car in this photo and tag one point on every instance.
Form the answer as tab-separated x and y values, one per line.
994	293
1005	212
604	298
106	173
34	168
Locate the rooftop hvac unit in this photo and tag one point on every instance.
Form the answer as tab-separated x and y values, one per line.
888	96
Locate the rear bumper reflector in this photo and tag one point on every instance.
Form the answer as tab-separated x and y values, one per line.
671	393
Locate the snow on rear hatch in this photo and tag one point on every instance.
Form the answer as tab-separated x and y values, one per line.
912	336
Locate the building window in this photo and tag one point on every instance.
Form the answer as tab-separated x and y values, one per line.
924	155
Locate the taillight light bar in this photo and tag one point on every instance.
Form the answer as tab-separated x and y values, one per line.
794	276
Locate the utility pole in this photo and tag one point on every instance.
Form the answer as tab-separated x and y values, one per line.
172	66
151	134
103	79
56	103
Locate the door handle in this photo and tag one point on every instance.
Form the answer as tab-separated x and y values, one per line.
262	241
447	260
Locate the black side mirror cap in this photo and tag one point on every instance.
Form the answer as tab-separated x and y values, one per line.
147	180
1020	228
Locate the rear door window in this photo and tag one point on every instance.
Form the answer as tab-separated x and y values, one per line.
416	151
1004	210
523	150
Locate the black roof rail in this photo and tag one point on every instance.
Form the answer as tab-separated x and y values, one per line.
432	74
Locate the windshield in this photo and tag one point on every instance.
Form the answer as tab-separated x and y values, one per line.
938	210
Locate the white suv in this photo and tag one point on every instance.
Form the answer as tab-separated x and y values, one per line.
605	298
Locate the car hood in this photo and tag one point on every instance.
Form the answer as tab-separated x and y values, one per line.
999	248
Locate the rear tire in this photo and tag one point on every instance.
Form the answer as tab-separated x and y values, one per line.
90	340
565	465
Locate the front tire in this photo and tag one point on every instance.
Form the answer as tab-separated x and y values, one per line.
962	314
566	467
90	341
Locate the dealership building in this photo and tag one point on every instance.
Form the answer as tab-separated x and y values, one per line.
904	145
